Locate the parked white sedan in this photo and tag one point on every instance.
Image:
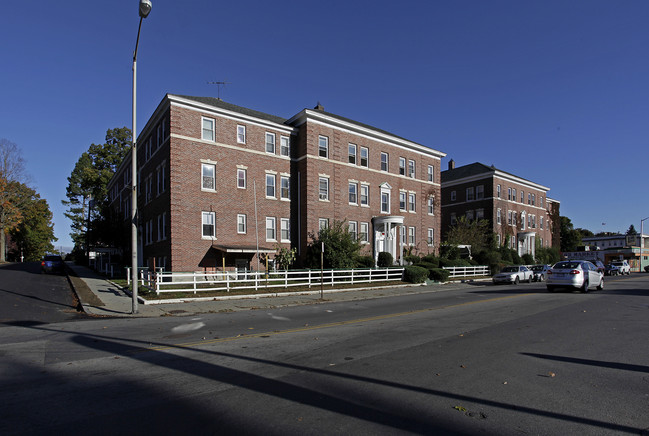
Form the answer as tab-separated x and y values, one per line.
578	274
513	274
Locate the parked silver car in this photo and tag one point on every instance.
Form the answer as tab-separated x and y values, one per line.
513	274
578	274
540	272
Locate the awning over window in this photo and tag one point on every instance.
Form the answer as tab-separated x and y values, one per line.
249	249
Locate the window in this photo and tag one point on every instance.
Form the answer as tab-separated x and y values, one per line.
431	174
411	168
402	234
529	198
209	181
209	224
541	201
284	146
541	222
148	232
431	205
522	220
148	189
479	192
285	229
479	214
271	229
453	219
241	223
498	217
364	233
353	229
509	193
385	201
161	178
159	136
365	195
365	157
431	237
469	215
453	195
402	166
498	191
323	146
323	223
270	186
412	202
509	217
514	194
353	193
470	194
402	201
285	188
411	235
270	143
352	154
498	240
241	134
522	197
241	178
384	162
533	199
162	226
208	129
324	188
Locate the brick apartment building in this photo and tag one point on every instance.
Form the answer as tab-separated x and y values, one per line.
201	161
520	212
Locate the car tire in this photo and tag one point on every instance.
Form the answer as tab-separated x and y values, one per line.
516	280
601	284
542	278
550	288
584	287
529	280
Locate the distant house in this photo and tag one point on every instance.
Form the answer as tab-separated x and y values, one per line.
220	186
518	210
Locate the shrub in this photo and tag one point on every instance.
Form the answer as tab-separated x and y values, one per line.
454	262
528	259
439	274
415	274
646	269
365	262
385	259
430	258
413	259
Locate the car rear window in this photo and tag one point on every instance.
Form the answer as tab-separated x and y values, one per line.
566	265
510	269
51	257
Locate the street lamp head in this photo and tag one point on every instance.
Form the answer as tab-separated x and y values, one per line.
145	8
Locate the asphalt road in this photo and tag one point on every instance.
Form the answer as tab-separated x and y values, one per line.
27	295
505	360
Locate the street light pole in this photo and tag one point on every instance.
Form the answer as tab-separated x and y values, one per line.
642	240
144	10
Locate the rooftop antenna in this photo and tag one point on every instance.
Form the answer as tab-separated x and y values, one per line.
218	87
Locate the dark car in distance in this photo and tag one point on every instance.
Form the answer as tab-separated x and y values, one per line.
52	263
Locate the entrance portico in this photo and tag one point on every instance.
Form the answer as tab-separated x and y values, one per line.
386	235
526	243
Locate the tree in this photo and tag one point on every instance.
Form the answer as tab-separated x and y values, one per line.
12	167
35	233
341	248
476	233
89	180
631	230
570	238
284	257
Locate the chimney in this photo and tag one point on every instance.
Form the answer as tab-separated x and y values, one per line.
451	164
319	107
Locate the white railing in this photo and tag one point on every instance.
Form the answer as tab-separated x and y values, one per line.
467	271
233	280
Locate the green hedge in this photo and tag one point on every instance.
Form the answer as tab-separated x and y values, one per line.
439	274
415	274
385	259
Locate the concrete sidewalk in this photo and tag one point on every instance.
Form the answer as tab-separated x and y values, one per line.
100	297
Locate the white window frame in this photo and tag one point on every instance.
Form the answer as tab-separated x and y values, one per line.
352	153
412	202
211	130
353	193
385	200
353	229
364	232
273	185
285	188
498	190
242	224
431	237
364	157
241	134
403	201
212	167
470	193
323	196
271	226
385	163
479	192
208	219
431	173
453	195
323	223
499	219
412	236
285	228
364	195
270	143
240	172
284	146
431	205
402	166
323	146
411	169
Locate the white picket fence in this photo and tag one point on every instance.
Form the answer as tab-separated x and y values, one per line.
227	281
467	271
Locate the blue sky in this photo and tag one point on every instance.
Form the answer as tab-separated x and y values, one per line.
556	92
